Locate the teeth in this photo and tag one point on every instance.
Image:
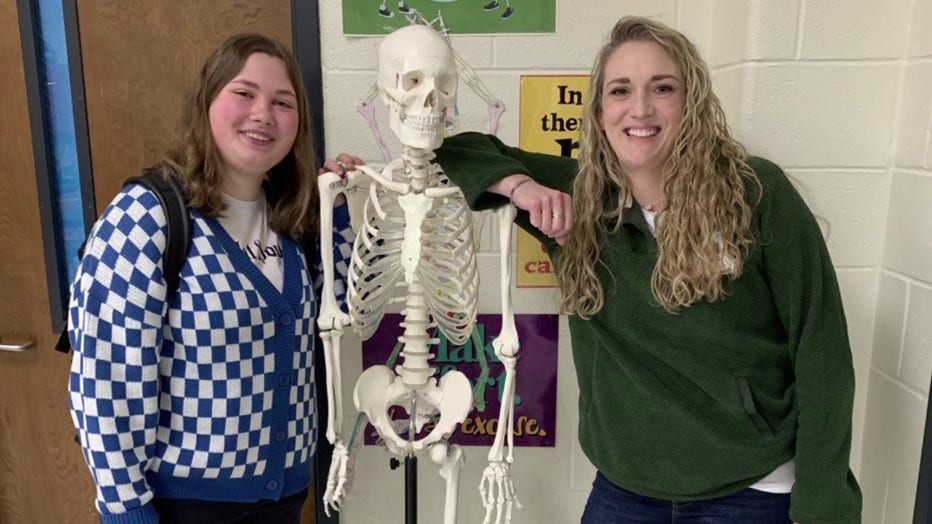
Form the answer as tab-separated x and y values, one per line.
422	124
257	136
643	133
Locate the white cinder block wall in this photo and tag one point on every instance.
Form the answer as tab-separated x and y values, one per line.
838	92
901	361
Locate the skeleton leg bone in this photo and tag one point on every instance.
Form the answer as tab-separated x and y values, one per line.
450	459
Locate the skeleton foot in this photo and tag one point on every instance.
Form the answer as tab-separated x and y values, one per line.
498	493
339	479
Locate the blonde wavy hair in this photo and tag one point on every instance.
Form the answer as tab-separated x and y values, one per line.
291	185
705	225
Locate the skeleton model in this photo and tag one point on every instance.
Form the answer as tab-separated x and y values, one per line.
416	237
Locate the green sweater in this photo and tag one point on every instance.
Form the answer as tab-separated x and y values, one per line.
708	401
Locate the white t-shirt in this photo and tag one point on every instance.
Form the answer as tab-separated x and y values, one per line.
650	218
780	480
247	224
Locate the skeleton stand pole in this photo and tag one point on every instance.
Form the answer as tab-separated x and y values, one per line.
410	486
410	489
411	469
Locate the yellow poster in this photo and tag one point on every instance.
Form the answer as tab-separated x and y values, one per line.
549	122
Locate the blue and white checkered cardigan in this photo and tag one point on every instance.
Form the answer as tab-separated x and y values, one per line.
210	399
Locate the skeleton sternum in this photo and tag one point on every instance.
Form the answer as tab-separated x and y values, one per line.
416	206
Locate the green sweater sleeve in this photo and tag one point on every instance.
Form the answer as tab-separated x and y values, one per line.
474	161
802	278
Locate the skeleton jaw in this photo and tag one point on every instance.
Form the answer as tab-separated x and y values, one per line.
424	131
425	125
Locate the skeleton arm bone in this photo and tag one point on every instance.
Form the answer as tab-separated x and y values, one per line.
496	487
331	322
437	192
506	345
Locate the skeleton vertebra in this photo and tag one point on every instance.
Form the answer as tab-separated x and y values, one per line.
416	237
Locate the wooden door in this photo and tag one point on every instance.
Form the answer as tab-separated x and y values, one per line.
139	58
42	475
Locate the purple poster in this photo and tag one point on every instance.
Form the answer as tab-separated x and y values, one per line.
535	385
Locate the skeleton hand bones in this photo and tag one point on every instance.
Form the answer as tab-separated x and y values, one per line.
342	469
496	488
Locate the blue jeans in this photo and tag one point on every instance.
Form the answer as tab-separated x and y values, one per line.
609	504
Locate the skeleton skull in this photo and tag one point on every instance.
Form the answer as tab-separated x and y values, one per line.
417	80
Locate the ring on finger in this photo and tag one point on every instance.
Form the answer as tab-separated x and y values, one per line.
342	165
556	215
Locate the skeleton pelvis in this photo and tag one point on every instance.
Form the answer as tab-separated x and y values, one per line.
379	388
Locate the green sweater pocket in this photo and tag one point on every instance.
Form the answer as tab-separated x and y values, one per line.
750	407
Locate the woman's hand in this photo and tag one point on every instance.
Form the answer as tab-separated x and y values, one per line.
341	165
551	211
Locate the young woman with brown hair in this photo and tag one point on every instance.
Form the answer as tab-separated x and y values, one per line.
199	406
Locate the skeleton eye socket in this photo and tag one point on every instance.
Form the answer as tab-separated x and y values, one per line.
446	83
411	80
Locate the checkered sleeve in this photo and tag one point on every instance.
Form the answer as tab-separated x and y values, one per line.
343	238
115	326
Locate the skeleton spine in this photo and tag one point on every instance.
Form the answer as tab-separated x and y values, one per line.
415	370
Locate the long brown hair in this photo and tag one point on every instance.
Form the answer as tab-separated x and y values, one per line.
290	186
695	244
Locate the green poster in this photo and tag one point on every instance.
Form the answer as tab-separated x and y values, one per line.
379	17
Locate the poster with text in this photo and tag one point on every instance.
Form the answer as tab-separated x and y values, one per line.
535	384
377	17
549	119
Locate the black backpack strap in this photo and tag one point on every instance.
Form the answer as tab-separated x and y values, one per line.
64	345
178	239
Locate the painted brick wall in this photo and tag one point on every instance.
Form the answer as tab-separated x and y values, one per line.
901	362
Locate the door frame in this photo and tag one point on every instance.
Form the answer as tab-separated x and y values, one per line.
306	44
922	512
56	250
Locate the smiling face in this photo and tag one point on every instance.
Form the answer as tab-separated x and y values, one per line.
253	121
643	97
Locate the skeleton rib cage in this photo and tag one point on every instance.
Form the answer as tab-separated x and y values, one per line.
376	262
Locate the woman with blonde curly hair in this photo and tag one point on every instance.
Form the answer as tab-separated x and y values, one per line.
711	350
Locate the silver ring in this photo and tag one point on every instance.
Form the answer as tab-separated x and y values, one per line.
342	165
556	215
